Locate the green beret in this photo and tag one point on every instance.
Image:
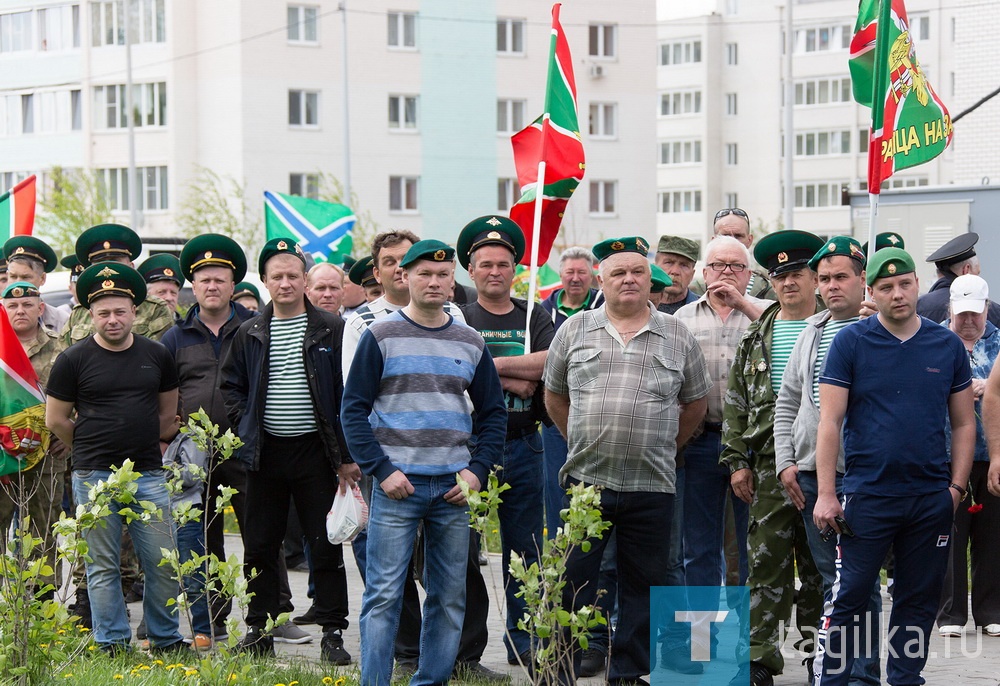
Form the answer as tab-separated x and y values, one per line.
660	279
489	230
838	245
21	289
888	239
244	288
213	250
29	246
678	245
278	246
612	246
72	263
107	241
786	251
110	278
362	271
161	267
429	249
889	262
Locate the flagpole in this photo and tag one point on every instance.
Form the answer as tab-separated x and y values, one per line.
536	235
878	100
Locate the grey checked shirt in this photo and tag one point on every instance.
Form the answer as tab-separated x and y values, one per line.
623	413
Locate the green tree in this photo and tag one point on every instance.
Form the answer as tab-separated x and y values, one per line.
75	201
214	203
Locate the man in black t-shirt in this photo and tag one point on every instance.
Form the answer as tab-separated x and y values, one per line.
123	389
490	247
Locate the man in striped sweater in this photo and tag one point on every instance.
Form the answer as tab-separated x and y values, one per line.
407	423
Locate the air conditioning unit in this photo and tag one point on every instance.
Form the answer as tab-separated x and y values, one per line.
596	71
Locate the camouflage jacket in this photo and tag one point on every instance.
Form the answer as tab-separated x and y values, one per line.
152	319
43	352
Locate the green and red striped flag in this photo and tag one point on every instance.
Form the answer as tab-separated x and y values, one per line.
553	138
23	435
910	125
17	210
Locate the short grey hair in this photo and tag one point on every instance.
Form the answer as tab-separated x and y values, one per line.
957	267
320	266
37	268
720	242
577	253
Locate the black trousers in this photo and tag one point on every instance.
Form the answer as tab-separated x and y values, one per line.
292	468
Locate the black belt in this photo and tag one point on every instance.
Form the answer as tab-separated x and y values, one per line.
521	433
713	427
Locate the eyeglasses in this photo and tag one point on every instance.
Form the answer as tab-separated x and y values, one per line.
721	267
731	210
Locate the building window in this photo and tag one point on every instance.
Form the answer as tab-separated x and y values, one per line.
816	143
731	200
510	36
680	152
151	182
732	54
510	116
402	30
508	193
15	32
680	102
10	179
303	108
823	38
107	22
149	103
28	113
403	112
823	91
683	52
603	40
603	197
731	109
732	7
923	27
59	28
302	24
863	141
603	120
670	202
403	193
731	155
306	185
818	194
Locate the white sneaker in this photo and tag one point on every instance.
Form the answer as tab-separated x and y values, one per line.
289	633
992	629
946	630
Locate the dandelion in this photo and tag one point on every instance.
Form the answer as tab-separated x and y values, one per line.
327	680
61	632
293	683
119	676
91	648
233	677
340	682
68	675
82	629
158	662
190	672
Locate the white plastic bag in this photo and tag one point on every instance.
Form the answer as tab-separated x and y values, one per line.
348	516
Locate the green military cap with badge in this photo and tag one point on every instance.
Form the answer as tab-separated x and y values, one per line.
244	289
72	263
21	289
613	246
278	246
213	250
489	230
107	241
889	262
661	280
428	249
33	248
362	272
886	239
786	251
839	245
678	245
161	267
110	278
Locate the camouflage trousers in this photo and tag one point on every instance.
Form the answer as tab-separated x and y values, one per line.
38	494
777	549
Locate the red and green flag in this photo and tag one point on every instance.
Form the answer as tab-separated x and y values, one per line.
23	435
551	144
17	210
909	125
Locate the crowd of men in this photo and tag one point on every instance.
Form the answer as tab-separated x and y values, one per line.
788	422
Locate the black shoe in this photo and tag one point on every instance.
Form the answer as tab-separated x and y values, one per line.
475	671
760	675
178	650
136	592
81	608
309	617
332	649
140	631
592	663
404	670
219	631
678	662
808	663
114	650
256	644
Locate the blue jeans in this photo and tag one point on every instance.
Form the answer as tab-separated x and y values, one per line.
866	668
554	459
191	542
103	578
520	516
392	529
675	636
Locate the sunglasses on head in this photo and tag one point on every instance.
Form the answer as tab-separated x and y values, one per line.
731	210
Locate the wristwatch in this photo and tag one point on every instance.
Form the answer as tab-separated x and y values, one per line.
958	488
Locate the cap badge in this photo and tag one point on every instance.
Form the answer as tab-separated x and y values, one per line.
762	366
642	244
782	257
107	245
108	283
617	245
439	255
168	272
208	254
20	249
107	271
17	292
891	268
893	238
832	246
855	250
493	221
493	235
282	245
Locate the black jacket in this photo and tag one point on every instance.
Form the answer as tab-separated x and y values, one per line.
934	304
245	373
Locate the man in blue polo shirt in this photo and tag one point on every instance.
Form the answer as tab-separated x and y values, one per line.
891	381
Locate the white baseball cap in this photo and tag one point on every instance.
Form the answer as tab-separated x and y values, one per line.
969	293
